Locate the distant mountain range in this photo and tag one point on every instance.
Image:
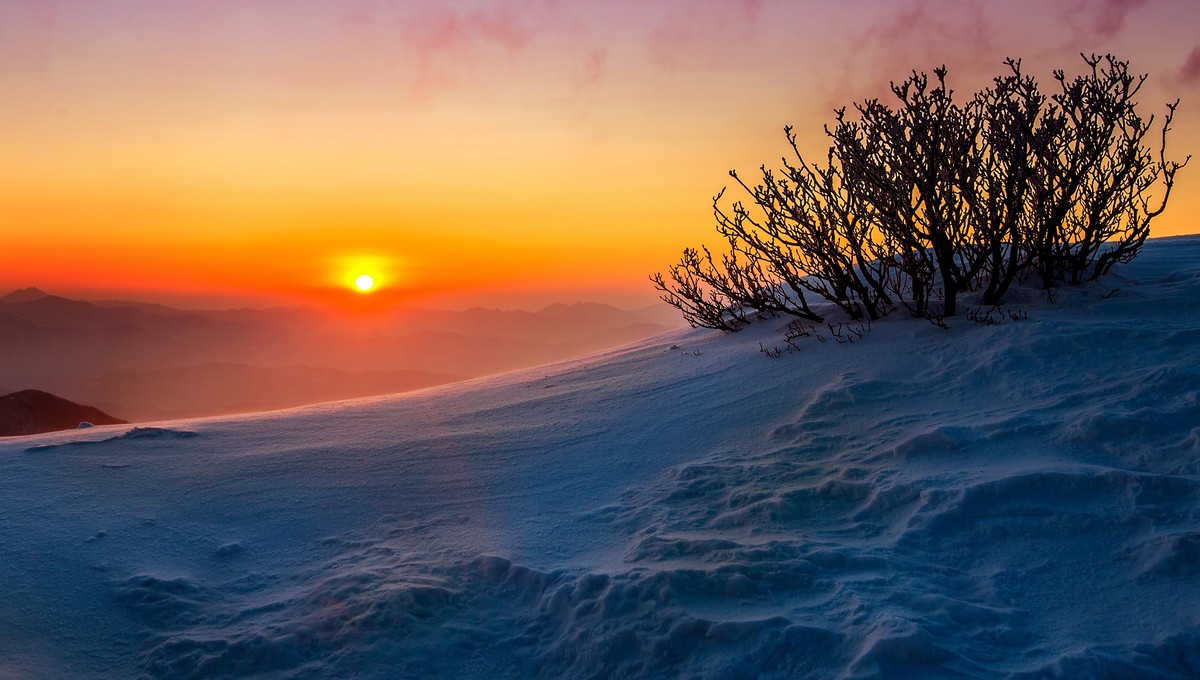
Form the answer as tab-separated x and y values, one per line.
147	361
34	411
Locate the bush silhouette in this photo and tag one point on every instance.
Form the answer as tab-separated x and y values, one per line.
925	198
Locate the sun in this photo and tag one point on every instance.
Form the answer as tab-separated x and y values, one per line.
365	275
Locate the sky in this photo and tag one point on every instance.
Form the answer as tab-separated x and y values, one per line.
506	153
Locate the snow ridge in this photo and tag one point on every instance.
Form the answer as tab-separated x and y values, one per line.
1011	501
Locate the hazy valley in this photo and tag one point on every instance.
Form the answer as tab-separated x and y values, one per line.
148	362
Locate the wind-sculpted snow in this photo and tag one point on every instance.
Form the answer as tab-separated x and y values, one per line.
142	433
1011	501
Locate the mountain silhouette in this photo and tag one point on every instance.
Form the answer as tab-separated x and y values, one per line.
153	362
34	411
24	295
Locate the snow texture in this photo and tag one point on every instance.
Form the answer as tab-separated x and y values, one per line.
1018	500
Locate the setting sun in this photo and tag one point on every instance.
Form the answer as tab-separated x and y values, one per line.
364	283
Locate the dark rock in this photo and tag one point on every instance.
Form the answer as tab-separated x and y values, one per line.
34	411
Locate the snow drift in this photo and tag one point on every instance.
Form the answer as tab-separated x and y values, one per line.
1011	501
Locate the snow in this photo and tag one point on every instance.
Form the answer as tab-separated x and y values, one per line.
1019	500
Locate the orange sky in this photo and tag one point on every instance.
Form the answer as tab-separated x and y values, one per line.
218	153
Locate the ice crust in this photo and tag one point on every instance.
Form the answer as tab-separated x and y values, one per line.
1011	501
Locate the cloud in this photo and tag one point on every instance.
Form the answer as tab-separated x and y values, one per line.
921	35
447	41
1108	16
972	36
708	30
37	15
591	68
1190	71
26	28
442	45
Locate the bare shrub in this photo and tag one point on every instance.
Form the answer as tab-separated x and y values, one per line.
925	198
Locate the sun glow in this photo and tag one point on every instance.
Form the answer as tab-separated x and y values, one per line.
366	275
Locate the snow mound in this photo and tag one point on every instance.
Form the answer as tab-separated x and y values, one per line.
137	433
1010	501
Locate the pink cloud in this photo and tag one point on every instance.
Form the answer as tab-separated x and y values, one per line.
443	45
1108	16
713	29
591	69
921	35
970	37
439	44
1190	71
26	31
445	38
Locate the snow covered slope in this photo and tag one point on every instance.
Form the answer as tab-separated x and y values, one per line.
1018	500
